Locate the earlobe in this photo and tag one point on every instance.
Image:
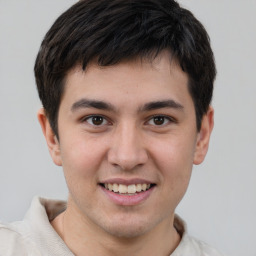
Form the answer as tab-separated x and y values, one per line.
203	138
51	139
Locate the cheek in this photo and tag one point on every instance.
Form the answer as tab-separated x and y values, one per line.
174	159
174	153
81	159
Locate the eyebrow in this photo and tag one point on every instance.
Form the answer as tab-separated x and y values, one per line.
86	103
161	104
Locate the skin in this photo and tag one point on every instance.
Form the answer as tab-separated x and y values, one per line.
129	144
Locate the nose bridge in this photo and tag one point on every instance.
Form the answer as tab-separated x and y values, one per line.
127	149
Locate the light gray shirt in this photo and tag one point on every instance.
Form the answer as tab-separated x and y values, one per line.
35	236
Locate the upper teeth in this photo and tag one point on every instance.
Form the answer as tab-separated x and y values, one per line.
124	189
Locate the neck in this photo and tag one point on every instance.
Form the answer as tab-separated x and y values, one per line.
85	238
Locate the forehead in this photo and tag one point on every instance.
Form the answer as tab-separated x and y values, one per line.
136	80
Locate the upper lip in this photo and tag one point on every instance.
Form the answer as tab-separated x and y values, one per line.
126	181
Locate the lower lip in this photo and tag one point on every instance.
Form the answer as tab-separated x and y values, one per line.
122	199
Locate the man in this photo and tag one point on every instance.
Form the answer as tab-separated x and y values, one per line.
126	88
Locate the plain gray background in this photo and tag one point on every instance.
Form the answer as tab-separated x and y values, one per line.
220	205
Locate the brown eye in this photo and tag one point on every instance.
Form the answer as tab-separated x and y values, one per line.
96	120
159	120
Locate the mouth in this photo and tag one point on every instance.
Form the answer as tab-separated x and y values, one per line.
127	190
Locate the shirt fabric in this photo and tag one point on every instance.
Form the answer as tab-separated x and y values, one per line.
34	236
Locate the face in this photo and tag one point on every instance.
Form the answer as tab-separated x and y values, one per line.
127	143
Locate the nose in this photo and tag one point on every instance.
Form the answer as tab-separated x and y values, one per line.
127	150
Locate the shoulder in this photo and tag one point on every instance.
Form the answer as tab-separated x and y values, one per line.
203	248
14	243
34	235
190	246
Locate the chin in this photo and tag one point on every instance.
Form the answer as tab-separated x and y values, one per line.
127	232
128	228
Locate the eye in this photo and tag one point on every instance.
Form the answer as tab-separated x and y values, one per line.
160	120
96	120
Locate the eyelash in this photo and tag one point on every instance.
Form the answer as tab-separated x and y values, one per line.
167	120
96	116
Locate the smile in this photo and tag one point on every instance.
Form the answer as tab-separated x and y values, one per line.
131	189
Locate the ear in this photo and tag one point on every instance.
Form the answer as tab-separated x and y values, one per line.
203	137
51	139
